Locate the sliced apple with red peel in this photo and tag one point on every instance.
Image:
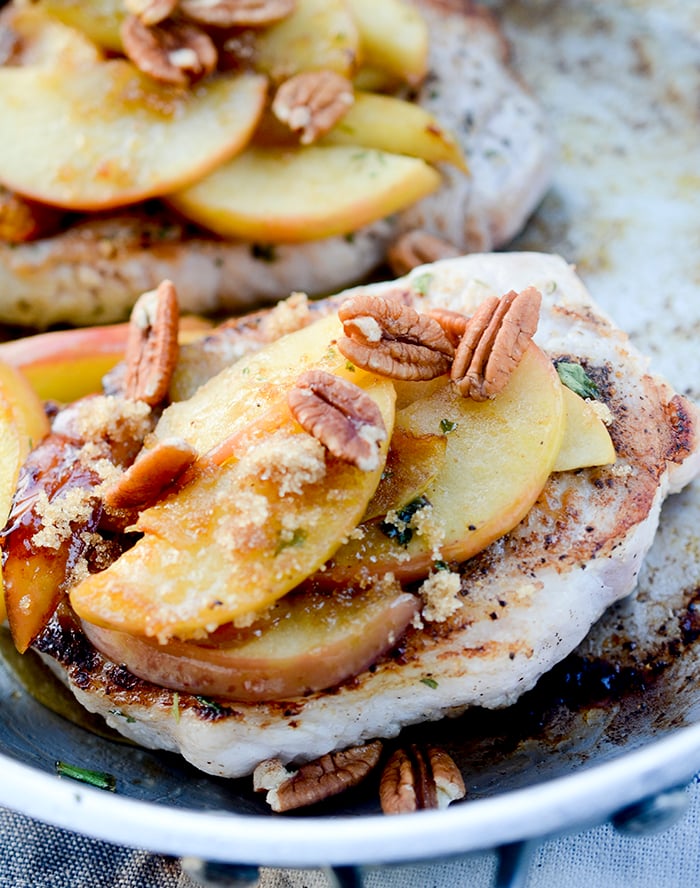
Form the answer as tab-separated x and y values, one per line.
269	195
37	553
65	365
587	441
499	456
117	136
393	36
22	424
305	643
412	463
318	34
397	126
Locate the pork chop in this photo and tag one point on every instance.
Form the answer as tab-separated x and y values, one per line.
93	271
528	599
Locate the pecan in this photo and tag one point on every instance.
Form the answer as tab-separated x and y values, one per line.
340	415
154	469
174	52
389	338
495	340
415	779
454	323
311	103
151	12
237	13
317	780
152	346
418	247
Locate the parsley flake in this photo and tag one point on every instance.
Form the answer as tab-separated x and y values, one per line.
421	283
574	377
430	682
400	530
447	426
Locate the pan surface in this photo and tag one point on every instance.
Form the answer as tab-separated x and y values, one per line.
620	718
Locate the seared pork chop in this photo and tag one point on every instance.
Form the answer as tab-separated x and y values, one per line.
92	272
527	600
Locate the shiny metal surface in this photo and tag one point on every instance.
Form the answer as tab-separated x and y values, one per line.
620	720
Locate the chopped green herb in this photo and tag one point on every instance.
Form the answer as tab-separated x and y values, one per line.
440	565
99	779
349	237
447	426
298	538
573	376
350	367
245	371
128	718
402	532
421	283
430	682
210	704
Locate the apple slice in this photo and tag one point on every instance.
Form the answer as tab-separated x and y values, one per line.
43	40
318	34
273	196
117	136
240	532
586	441
499	456
305	643
393	36
65	365
100	20
412	464
397	126
34	569
22	424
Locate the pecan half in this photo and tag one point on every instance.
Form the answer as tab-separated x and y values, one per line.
172	52
152	346
154	469
418	247
237	13
340	415
415	779
311	103
316	781
454	323
493	343
151	12
387	337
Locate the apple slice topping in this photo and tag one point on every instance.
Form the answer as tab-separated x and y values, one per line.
306	642
318	191
265	506
116	135
499	453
